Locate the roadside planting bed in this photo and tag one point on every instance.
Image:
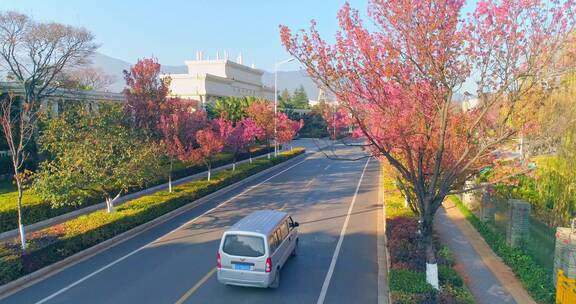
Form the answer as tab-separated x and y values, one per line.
34	209
407	276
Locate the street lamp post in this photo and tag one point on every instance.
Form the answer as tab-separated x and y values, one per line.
276	65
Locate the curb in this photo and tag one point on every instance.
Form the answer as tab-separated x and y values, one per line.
384	295
43	273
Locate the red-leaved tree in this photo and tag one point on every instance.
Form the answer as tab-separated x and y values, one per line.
336	117
397	80
287	128
179	124
146	96
262	114
209	142
251	133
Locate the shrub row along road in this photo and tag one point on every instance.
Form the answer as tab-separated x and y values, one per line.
336	203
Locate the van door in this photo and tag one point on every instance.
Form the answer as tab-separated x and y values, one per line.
288	239
273	247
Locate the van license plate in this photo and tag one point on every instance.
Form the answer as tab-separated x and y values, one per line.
241	266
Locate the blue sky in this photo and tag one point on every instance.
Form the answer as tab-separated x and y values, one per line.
173	30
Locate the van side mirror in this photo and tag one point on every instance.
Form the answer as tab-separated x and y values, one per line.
295	224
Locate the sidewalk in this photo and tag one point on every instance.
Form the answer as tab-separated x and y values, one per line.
488	278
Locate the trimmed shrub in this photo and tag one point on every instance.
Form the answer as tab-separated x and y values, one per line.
10	264
403	244
5	164
409	281
448	276
90	229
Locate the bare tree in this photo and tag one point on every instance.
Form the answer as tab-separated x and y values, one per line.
18	128
87	78
34	54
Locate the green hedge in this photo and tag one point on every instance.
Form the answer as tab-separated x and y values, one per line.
35	210
535	279
88	230
5	165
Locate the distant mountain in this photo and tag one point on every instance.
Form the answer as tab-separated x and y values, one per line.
286	79
292	80
114	66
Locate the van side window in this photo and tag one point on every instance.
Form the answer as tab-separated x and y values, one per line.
273	242
284	230
279	236
290	222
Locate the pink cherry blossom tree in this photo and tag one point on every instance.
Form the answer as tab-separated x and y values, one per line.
287	128
178	125
397	80
336	117
209	142
250	134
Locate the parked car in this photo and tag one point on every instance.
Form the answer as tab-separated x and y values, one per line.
253	251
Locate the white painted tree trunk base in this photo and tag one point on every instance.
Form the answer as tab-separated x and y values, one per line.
110	203
432	275
22	236
234	167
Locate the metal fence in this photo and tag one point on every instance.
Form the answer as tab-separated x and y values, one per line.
540	244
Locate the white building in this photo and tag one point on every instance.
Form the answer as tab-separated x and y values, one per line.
470	103
208	80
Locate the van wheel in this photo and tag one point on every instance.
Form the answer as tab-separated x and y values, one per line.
295	250
276	281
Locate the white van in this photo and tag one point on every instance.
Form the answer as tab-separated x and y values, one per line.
253	251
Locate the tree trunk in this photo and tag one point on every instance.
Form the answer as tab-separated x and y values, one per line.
428	244
170	177
110	202
250	155
209	165
234	163
109	205
20	219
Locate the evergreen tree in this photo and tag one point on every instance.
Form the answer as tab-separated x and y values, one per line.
299	98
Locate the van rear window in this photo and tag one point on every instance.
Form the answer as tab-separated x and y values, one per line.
244	245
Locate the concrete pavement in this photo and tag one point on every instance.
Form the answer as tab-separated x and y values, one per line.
336	203
489	279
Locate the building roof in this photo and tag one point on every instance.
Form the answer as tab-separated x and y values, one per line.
67	94
261	221
226	62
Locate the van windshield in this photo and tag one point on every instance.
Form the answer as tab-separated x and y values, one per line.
244	245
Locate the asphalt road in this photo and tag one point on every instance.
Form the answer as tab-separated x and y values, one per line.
336	203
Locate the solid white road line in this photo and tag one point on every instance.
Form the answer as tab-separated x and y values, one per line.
340	240
64	289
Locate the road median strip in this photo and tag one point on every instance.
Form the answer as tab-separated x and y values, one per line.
42	215
93	233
